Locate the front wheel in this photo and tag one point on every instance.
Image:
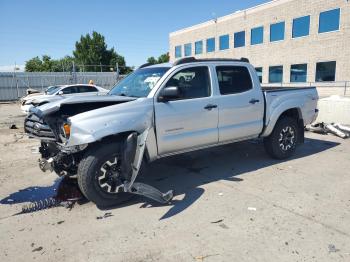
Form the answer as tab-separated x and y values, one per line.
100	177
282	142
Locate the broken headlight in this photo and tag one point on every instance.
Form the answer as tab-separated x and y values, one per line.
65	131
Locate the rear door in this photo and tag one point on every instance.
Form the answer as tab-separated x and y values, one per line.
190	121
241	103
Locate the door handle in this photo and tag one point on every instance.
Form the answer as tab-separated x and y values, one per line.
253	101
210	106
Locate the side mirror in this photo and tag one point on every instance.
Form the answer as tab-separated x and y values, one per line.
169	93
60	92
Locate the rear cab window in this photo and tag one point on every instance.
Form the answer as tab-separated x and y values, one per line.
233	79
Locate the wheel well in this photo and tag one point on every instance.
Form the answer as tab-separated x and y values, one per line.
119	137
293	113
296	114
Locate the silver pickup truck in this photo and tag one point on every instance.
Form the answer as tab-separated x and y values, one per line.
162	110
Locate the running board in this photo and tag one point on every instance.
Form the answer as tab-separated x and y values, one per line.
136	152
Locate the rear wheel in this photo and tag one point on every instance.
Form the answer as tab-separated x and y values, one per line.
100	177
282	142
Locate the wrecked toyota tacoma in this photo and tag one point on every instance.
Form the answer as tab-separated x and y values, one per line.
162	110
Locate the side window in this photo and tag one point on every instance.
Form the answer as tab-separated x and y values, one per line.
70	90
233	79
84	89
192	82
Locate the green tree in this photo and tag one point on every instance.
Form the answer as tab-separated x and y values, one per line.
34	65
91	51
164	58
152	60
46	64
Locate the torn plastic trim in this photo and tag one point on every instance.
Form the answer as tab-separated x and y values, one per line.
134	150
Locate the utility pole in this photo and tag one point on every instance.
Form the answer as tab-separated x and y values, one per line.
74	74
16	79
117	71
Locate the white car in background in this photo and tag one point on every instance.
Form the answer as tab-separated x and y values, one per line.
54	93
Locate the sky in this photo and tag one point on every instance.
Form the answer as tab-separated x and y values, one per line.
137	29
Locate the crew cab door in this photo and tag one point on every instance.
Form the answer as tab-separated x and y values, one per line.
241	103
190	120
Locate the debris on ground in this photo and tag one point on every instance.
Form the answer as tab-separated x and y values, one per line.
105	216
217	221
332	248
13	126
35	150
252	208
201	258
66	195
37	249
335	129
221	194
223	226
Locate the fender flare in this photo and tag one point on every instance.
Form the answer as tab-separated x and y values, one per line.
278	112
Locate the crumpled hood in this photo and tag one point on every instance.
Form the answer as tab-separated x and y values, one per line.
97	100
38	97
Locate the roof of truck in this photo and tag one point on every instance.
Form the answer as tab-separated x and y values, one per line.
187	60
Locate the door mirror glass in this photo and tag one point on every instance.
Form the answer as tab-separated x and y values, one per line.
169	93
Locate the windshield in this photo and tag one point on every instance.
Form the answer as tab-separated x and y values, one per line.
139	83
52	89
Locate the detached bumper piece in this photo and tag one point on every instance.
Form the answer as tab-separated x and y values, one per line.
35	127
335	129
134	149
151	192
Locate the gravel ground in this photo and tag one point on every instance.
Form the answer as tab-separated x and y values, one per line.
232	203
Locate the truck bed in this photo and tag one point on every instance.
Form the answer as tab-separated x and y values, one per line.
277	98
281	88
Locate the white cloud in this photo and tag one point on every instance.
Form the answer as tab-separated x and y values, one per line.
10	68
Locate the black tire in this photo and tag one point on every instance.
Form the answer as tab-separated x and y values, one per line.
282	142
89	172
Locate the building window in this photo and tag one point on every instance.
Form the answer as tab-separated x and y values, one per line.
259	72
329	21
325	71
210	45
239	39
298	73
178	51
257	35
301	26
277	32
188	49
224	42
198	47
233	79
275	74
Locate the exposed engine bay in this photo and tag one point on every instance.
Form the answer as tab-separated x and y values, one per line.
50	128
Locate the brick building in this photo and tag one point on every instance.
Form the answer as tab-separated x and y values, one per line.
289	41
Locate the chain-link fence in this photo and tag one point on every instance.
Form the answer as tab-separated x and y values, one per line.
13	85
